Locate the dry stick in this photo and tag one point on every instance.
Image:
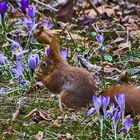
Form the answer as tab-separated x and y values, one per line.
48	7
94	7
20	104
15	115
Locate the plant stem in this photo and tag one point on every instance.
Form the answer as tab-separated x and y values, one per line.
101	128
115	134
3	24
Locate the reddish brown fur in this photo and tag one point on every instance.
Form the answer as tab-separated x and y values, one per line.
77	83
132	94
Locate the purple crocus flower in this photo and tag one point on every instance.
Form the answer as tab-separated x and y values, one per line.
127	124
48	25
33	61
97	101
120	99
29	24
90	111
23	82
64	53
3	59
116	118
17	51
18	71
100	38
31	11
24	5
47	51
105	103
3	8
139	124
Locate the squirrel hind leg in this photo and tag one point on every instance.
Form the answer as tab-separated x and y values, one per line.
68	99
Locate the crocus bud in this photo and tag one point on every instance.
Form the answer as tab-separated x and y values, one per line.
100	38
33	61
24	5
3	8
64	53
47	51
31	11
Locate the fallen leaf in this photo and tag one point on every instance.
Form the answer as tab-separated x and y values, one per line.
66	11
38	115
108	69
39	136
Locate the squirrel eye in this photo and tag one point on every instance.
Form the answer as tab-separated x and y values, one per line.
44	64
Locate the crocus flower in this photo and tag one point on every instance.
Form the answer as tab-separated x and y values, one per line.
139	124
18	71
65	54
110	111
48	25
100	38
127	124
3	8
97	101
3	59
47	51
17	50
120	99
33	61
105	103
116	118
23	82
24	5
29	24
90	111
31	11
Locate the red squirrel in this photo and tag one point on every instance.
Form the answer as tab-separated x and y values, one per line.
132	94
75	86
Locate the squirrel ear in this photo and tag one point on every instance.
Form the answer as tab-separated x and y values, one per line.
55	43
55	47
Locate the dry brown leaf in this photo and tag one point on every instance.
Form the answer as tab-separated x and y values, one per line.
66	11
66	136
108	10
124	76
16	14
108	69
39	136
123	48
44	115
39	115
32	112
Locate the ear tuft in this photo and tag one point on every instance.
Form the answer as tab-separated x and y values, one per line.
55	43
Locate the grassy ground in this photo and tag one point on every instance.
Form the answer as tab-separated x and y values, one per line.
47	121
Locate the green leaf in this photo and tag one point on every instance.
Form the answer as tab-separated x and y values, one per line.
108	57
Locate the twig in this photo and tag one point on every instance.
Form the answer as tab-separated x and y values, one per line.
19	104
72	39
94	7
15	115
48	7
